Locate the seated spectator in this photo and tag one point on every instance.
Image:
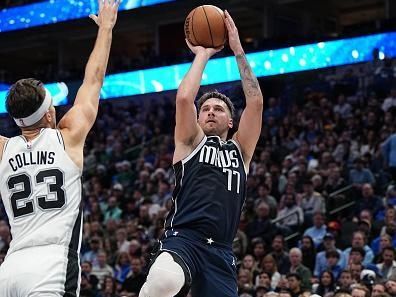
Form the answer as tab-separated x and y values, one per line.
332	259
359	241
345	281
321	260
297	267
387	267
312	202
135	278
295	284
280	255
368	200
360	175
122	267
263	195
261	225
102	269
269	266
292	214
327	284
308	251
318	230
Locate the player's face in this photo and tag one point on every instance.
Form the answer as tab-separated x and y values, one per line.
214	117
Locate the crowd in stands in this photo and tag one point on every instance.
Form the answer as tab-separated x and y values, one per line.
320	211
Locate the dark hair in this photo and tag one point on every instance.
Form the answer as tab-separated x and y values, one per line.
359	250
321	289
293	274
25	97
219	96
332	253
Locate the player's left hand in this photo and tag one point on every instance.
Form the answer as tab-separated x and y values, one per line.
107	15
233	35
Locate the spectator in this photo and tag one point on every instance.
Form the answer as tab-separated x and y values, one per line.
318	230
295	284
297	267
308	252
135	278
360	175
387	267
359	240
269	266
327	284
102	269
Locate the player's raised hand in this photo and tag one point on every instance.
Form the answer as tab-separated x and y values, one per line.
107	15
233	35
197	49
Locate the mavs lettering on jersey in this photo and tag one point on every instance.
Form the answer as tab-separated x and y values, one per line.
210	190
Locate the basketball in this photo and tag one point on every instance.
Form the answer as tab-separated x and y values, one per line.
205	26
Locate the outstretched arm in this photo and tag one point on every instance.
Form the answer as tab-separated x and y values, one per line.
77	122
187	131
251	119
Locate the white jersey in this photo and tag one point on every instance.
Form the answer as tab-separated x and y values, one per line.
41	190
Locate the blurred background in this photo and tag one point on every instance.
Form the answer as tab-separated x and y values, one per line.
323	176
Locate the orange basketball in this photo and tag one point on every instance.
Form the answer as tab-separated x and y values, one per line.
205	26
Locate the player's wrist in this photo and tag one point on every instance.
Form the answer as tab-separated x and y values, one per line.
238	51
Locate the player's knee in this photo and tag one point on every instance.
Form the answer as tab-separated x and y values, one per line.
165	278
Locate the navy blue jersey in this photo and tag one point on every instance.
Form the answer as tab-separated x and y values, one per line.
210	190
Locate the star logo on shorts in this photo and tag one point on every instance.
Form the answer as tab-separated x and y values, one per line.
209	240
175	233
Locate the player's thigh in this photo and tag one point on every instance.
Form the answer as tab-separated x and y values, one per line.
218	277
35	271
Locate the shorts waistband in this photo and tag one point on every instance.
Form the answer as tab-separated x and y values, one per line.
195	236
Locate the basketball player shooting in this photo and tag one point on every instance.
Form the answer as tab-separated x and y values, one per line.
196	250
40	174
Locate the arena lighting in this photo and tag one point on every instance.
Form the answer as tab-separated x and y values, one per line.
53	11
265	63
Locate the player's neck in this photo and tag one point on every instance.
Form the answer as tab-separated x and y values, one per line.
31	133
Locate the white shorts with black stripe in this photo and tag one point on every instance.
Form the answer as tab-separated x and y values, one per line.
50	271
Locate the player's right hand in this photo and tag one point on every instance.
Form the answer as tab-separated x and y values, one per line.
197	49
107	15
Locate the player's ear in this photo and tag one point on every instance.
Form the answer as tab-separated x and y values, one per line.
230	123
48	117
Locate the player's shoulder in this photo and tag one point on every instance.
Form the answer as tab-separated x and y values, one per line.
3	141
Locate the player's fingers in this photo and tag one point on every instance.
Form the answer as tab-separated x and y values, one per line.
94	18
117	3
101	3
229	18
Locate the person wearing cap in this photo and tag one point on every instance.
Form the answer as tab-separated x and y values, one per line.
40	176
321	260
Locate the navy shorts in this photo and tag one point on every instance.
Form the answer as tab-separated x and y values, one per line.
211	265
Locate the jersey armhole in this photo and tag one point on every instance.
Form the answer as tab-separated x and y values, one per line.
194	152
60	139
240	154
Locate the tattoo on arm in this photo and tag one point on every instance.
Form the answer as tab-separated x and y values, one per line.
249	81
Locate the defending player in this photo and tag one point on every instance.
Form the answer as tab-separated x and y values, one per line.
210	184
40	173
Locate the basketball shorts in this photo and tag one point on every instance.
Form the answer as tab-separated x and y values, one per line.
211	265
50	271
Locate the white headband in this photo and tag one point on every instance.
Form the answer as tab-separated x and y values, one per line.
38	114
